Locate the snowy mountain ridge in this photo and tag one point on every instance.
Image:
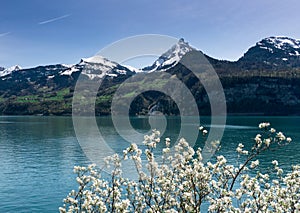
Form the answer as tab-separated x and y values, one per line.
97	67
275	52
280	42
266	81
271	51
9	70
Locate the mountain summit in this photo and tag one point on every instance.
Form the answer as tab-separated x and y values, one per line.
273	52
284	44
171	57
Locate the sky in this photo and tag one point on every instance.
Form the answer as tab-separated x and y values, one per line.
41	32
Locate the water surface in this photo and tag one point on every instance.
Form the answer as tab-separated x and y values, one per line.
37	154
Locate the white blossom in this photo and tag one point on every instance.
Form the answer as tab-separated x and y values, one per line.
264	125
254	164
168	142
281	136
275	162
183	183
267	142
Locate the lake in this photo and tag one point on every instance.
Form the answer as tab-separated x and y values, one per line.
37	154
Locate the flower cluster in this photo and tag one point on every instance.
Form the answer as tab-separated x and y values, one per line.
180	182
264	125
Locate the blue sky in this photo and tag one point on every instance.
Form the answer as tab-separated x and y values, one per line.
39	32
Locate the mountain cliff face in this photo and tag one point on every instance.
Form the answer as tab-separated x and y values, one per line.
266	80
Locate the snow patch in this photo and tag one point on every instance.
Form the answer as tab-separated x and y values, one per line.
112	75
67	65
132	68
267	48
70	71
283	42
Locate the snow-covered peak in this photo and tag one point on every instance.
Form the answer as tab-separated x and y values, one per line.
14	68
279	42
279	52
97	59
171	57
178	50
97	67
8	71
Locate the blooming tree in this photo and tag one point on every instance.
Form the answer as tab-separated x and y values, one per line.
181	182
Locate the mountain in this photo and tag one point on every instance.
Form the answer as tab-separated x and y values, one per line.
262	82
59	76
49	89
266	80
97	67
272	53
171	57
8	71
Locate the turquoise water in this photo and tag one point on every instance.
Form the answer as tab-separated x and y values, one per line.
37	154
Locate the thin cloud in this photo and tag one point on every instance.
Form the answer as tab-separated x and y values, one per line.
54	19
4	34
